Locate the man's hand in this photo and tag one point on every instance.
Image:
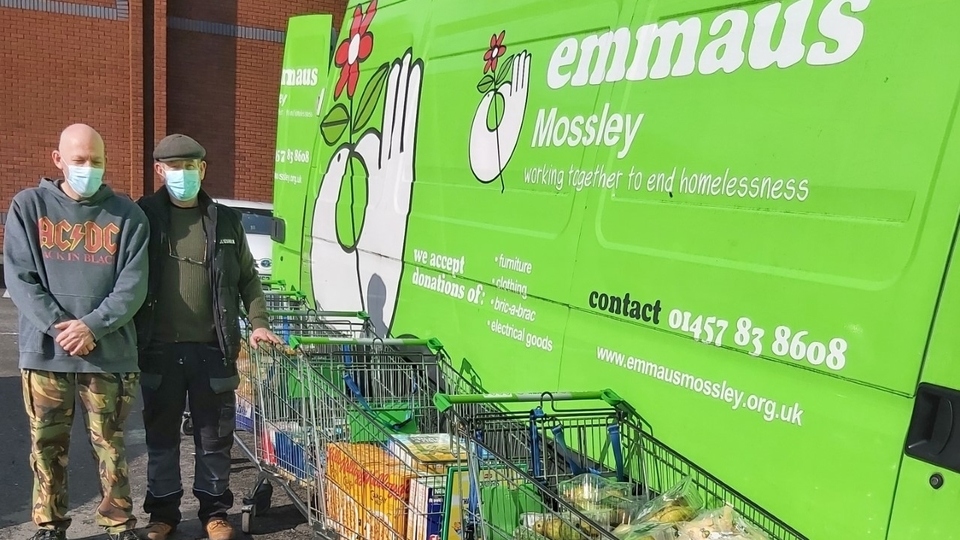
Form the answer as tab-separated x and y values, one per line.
85	350
262	334
75	337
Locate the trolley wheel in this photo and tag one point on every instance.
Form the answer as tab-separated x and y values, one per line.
187	426
259	502
246	517
263	497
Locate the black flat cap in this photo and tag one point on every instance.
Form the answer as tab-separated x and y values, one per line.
178	146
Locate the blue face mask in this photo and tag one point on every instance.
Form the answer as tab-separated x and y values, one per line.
183	184
84	180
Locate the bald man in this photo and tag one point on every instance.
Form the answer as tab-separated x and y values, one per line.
75	263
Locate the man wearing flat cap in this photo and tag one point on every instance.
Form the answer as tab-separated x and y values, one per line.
189	337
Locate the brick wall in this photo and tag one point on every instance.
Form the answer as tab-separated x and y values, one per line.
52	77
235	119
258	75
137	70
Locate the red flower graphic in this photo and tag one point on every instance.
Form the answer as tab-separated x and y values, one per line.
355	49
496	50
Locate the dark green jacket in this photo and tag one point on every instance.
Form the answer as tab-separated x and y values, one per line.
230	263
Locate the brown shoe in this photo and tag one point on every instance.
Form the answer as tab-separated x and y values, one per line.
156	531
219	529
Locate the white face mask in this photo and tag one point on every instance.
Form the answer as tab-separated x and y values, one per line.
182	184
84	180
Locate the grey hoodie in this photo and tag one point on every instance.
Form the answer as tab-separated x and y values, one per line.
64	260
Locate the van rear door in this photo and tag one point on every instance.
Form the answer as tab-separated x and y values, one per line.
929	483
306	59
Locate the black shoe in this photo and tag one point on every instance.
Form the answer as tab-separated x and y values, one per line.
49	534
129	534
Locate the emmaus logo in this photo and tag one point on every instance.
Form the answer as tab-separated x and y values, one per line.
300	77
607	58
87	241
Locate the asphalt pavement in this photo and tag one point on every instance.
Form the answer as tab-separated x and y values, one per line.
282	521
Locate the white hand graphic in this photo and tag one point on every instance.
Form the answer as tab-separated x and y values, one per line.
334	270
490	151
368	276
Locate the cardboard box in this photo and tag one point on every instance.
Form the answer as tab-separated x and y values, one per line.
245	370
387	490
244	414
430	452
343	511
369	480
346	466
425	516
345	488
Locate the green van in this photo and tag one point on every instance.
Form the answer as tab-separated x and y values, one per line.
741	217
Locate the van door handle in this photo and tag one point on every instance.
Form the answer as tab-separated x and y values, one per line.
935	426
278	229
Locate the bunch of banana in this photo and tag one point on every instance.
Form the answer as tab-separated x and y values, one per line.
616	489
602	513
718	524
590	488
588	529
645	531
557	529
524	533
675	511
712	523
598	516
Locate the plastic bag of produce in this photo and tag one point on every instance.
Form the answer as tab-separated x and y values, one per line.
646	531
614	510
592	488
599	516
678	504
608	502
569	527
559	528
526	533
719	524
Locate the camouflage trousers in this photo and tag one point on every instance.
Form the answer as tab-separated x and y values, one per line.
106	401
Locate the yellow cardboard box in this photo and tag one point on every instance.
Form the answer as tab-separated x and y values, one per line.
387	491
346	490
344	511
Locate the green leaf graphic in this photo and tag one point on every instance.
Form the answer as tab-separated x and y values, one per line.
352	204
334	124
495	113
486	84
370	97
505	72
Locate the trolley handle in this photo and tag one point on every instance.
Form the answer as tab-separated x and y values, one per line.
288	312
444	402
310	311
433	343
294	293
358	314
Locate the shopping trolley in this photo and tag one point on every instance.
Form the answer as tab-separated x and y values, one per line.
272	284
269	404
372	430
285	323
580	465
284	299
394	378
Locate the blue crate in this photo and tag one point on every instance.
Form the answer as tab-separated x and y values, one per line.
291	456
281	327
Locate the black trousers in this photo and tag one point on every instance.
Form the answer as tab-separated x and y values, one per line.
171	372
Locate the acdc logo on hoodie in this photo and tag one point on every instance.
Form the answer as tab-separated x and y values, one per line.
85	241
